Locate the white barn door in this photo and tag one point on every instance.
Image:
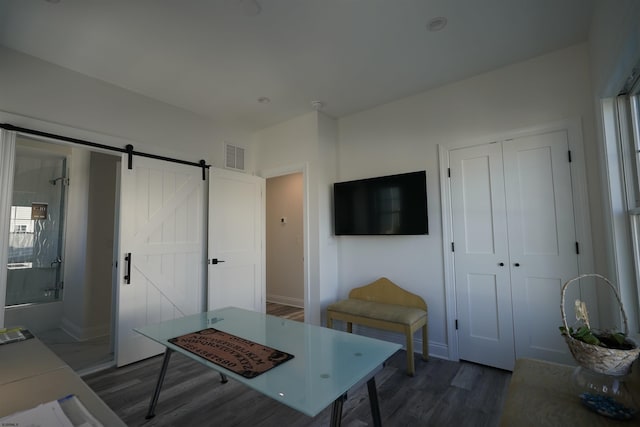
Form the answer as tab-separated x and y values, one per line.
236	240
162	229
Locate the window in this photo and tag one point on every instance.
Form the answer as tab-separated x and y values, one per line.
634	172
21	237
629	127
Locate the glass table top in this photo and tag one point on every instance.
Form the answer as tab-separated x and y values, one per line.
326	364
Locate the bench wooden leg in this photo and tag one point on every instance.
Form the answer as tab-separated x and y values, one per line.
411	370
425	343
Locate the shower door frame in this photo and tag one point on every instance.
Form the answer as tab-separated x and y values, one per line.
52	291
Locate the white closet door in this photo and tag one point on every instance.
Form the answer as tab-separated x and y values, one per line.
483	294
162	227
542	241
236	240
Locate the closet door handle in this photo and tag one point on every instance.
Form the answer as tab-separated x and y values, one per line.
517	264
501	264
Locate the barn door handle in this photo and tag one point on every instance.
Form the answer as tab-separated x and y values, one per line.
127	277
215	261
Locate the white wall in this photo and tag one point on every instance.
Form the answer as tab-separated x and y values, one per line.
308	143
100	241
402	136
614	44
33	91
285	240
328	143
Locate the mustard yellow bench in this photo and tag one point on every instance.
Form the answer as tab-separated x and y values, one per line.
384	305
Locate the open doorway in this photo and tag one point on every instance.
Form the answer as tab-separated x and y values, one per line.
61	240
285	246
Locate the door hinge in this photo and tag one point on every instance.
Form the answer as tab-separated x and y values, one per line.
569	152
456	324
453	247
577	248
448	172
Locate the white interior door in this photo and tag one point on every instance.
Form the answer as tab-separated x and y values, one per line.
483	294
162	225
514	233
236	240
542	242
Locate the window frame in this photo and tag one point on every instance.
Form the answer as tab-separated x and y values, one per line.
628	117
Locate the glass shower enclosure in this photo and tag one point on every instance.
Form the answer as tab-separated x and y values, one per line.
36	229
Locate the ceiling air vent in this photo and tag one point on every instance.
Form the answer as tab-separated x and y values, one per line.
234	157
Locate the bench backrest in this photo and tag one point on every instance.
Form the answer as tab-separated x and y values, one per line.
385	291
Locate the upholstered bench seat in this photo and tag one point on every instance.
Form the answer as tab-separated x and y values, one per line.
384	305
378	311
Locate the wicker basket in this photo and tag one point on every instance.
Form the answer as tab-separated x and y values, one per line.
603	360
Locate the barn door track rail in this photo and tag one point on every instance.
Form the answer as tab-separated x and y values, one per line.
128	149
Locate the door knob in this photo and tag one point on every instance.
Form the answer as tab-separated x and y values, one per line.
517	264
501	264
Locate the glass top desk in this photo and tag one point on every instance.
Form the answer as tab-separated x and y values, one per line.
326	364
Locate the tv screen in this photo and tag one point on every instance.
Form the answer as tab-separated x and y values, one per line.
386	205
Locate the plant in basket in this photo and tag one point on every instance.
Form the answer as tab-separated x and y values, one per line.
604	359
584	333
606	352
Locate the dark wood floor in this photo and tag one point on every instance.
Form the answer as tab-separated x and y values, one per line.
442	393
286	311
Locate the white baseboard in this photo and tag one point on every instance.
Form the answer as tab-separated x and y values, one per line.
281	299
83	334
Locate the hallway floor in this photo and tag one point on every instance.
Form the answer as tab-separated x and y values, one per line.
286	311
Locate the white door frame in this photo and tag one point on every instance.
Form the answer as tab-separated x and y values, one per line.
287	170
573	127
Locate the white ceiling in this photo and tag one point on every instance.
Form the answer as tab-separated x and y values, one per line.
214	58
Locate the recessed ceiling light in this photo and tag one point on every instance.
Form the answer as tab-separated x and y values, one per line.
264	100
437	24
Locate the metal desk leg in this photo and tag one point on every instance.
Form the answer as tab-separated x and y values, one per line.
336	411
156	393
223	378
373	401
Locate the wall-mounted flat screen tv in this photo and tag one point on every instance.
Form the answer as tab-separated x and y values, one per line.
386	205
